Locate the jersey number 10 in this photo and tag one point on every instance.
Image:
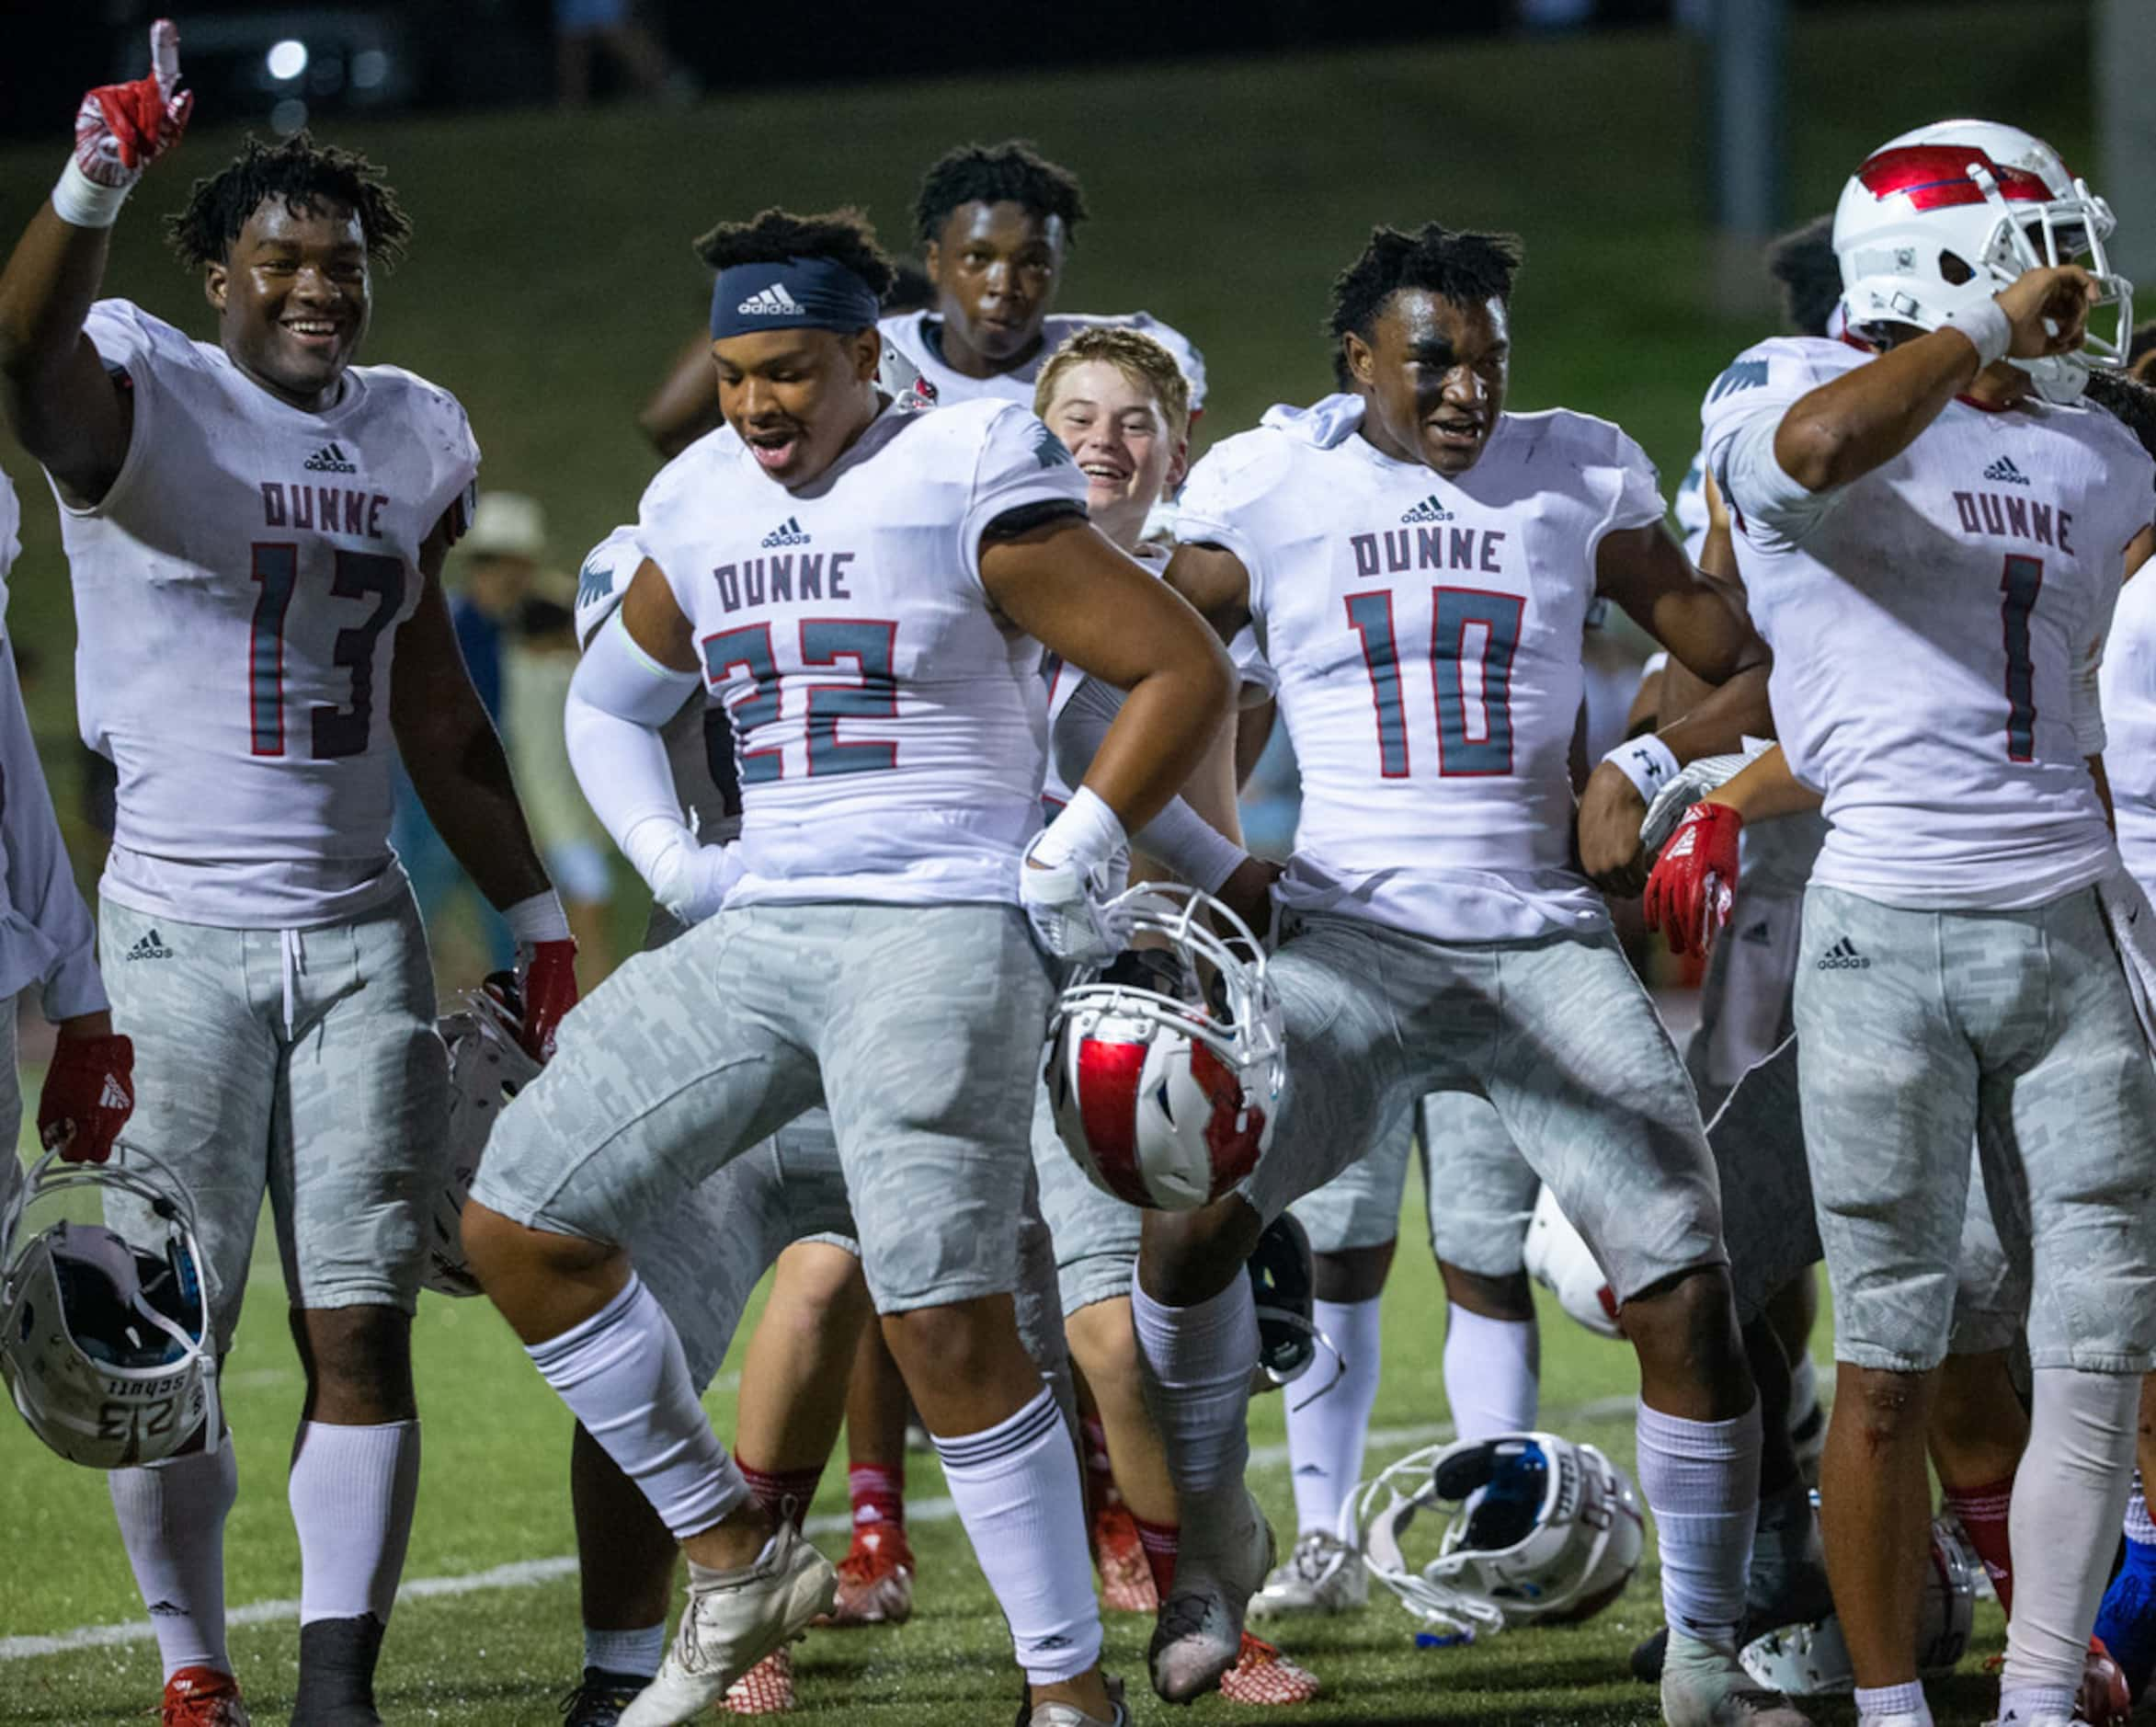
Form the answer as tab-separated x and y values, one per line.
1473	634
336	731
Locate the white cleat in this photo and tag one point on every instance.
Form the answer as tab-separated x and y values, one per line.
731	1625
1324	1575
1706	1687
1071	1715
1199	1635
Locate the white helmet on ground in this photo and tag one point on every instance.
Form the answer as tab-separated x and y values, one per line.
487	1067
1943	217
1528	1530
1165	1068
106	1343
1813	1660
1558	1259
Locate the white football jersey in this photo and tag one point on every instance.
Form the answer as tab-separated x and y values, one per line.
913	334
890	728
1427	635
1927	623
2129	718
237	592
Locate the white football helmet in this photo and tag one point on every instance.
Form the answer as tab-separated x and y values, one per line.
1945	216
106	1343
1558	1258
487	1067
1165	1067
1813	1660
1532	1530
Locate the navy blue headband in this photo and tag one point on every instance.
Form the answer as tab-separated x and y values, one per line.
799	293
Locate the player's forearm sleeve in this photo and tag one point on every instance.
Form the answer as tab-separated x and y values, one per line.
1754	481
1178	836
49	913
618	700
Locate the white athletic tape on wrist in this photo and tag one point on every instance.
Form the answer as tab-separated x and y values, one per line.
1086	833
1987	326
81	202
1646	761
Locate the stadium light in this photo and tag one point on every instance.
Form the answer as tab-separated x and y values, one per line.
287	60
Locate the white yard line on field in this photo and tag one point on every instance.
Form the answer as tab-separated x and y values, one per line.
530	1573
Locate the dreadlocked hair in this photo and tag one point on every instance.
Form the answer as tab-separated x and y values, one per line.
1462	266
1010	172
308	177
1803	261
771	236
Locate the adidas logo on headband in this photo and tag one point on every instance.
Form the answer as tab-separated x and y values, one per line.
770	302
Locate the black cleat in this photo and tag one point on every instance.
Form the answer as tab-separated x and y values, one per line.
336	1672
600	1700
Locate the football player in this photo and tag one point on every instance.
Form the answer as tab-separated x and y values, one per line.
1932	537
47	940
1420	565
256	527
880	944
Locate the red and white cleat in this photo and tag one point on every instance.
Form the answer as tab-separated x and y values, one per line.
1263	1676
203	1697
876	1578
766	1688
1126	1580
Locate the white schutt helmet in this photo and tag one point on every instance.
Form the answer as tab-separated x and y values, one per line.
1813	1660
1165	1068
1552	1536
487	1067
1558	1258
106	1343
1945	216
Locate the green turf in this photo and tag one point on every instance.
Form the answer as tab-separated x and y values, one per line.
550	283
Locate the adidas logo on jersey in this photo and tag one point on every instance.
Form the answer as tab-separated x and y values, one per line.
2005	472
329	458
151	946
770	304
787	533
1429	510
1843	956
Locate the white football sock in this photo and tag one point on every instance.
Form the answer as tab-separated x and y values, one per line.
172	1522
1887	1702
1493	1373
636	1654
1326	1434
1701	1480
2139	1527
1015	1487
2068	1496
622	1374
352	1491
1198	1362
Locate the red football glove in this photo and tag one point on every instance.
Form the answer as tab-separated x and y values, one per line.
120	129
1694	880
546	980
89	1093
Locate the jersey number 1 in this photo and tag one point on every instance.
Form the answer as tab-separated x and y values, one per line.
336	731
1473	634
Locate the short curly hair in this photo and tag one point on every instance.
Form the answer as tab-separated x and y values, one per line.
1803	262
1132	352
771	236
1010	172
1464	267
307	175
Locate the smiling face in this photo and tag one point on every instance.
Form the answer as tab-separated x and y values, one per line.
995	266
1112	424
797	398
292	298
1434	371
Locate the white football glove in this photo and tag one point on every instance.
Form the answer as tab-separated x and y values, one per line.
1066	905
1693	782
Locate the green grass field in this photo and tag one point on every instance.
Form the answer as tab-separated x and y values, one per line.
550	282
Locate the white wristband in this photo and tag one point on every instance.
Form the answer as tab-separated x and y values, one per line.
1646	761
1191	846
1988	328
538	919
1086	833
81	202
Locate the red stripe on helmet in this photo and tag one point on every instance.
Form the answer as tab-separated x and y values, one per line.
1935	176
1233	1133
1108	1077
